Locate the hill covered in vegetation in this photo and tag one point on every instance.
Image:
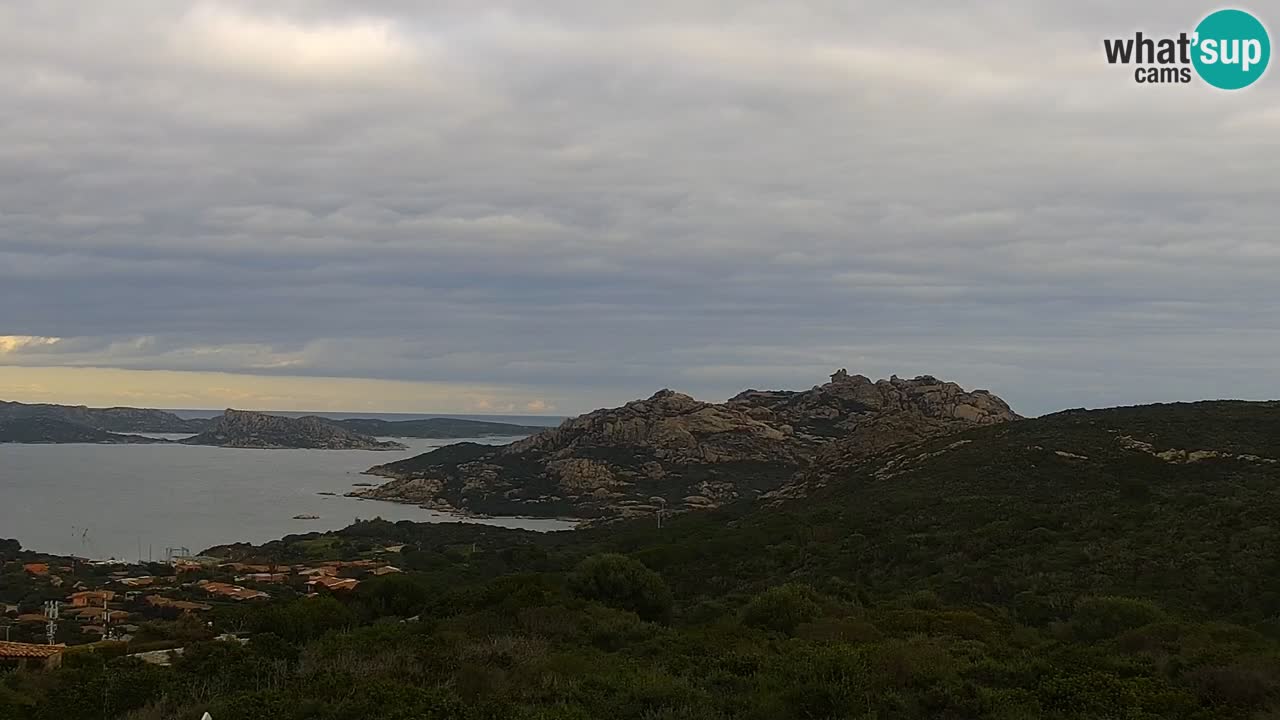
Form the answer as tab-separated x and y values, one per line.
1091	564
113	419
124	420
49	430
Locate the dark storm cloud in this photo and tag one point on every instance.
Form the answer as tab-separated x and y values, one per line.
599	199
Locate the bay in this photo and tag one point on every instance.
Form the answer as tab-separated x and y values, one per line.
133	502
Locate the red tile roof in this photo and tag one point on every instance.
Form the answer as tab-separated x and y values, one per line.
94	595
25	650
160	601
333	583
265	577
234	592
99	613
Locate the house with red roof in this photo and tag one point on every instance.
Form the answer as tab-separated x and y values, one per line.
28	655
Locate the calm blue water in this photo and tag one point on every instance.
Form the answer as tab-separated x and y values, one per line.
131	501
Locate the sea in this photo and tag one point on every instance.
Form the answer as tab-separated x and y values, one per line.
145	502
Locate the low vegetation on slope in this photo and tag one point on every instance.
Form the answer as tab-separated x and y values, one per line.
1106	564
1035	512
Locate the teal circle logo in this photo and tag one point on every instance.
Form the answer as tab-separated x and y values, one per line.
1232	49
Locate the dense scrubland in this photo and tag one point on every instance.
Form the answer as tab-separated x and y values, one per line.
1091	564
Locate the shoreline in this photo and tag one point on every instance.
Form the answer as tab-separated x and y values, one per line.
446	518
468	514
165	495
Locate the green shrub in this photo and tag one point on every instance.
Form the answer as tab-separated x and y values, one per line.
1102	618
782	608
618	581
1237	684
1033	609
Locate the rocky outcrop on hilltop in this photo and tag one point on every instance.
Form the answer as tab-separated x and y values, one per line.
672	451
242	429
843	407
864	418
676	427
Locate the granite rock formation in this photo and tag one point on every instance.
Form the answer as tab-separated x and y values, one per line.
673	452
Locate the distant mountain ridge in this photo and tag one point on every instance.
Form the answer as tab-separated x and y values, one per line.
244	429
674	451
49	430
127	420
444	428
113	419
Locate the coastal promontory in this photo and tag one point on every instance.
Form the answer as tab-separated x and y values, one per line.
676	453
245	429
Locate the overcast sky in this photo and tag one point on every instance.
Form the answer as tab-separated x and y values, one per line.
550	206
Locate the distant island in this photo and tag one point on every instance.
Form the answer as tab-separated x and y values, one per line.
44	423
243	429
47	430
112	420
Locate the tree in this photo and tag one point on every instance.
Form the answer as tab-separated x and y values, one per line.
621	582
9	549
397	595
304	619
782	608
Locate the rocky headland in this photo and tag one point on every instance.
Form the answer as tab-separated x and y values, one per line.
244	429
673	452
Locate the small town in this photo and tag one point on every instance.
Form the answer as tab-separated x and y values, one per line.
53	605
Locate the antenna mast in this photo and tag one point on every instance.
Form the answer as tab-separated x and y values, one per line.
51	620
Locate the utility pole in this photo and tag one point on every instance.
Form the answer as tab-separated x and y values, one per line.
662	506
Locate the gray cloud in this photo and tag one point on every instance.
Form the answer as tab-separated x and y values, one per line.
595	200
